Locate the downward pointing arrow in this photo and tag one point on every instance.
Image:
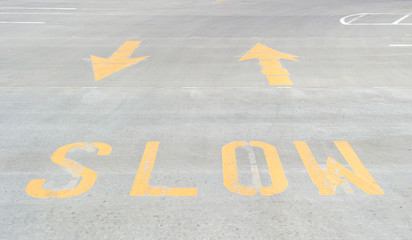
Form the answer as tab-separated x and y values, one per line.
103	67
269	59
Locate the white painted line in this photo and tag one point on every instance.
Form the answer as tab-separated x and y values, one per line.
25	22
343	20
25	8
400	19
356	18
400	45
380	24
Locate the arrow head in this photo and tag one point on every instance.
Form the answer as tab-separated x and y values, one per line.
263	52
103	67
116	60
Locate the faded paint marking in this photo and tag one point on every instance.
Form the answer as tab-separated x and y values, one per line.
337	175
253	167
88	176
230	173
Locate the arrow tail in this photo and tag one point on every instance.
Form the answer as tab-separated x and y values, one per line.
126	49
275	73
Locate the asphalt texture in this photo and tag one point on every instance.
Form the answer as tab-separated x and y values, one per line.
352	83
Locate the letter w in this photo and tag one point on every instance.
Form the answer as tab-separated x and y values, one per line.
335	174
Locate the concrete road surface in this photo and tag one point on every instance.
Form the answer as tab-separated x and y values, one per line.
137	119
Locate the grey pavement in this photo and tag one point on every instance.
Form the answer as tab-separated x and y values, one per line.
193	96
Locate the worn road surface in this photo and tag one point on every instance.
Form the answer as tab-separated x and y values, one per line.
137	119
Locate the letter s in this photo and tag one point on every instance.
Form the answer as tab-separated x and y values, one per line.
35	187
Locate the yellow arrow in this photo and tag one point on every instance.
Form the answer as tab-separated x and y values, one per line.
269	59
103	67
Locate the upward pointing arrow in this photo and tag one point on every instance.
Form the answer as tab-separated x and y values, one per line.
269	59
103	67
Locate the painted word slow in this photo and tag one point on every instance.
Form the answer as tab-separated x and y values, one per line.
326	180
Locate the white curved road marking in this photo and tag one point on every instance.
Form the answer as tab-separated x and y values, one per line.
356	19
